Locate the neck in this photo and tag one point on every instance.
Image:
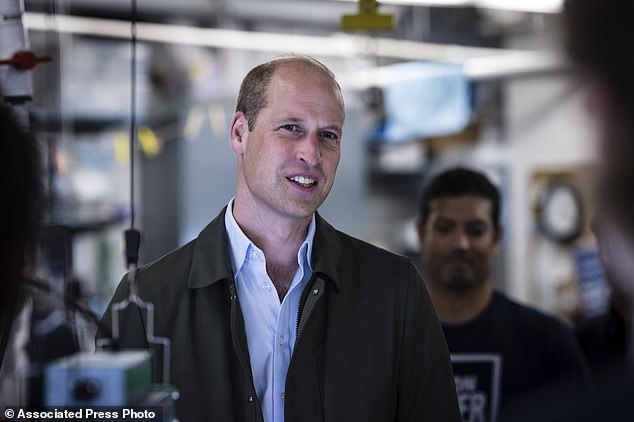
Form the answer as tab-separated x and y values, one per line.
454	306
279	238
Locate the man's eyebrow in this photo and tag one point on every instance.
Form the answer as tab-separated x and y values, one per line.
335	127
477	221
291	119
287	119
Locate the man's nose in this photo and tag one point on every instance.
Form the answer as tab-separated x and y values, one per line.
462	240
309	150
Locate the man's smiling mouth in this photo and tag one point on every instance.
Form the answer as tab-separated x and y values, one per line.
304	182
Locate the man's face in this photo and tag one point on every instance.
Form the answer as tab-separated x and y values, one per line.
287	164
458	241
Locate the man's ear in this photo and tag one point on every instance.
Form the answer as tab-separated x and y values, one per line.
239	132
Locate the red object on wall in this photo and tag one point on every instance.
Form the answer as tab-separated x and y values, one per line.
25	60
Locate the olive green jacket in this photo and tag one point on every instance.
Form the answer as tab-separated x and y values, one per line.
369	346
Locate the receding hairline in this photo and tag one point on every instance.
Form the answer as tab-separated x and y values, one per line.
293	60
297	59
255	88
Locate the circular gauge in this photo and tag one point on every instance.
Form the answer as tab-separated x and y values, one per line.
560	213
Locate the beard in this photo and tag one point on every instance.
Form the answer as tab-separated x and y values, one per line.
460	272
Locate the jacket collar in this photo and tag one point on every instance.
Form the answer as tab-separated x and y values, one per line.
211	262
327	252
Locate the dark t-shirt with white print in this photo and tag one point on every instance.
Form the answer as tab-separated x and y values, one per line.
507	350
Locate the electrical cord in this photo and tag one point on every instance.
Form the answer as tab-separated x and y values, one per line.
131	235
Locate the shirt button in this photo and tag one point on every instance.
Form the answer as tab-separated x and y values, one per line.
251	398
283	396
281	340
266	285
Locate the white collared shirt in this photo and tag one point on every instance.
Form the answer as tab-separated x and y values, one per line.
271	326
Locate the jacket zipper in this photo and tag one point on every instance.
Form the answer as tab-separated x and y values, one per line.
239	350
307	304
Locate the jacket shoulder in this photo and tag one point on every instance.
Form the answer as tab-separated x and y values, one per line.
163	279
371	252
172	266
375	264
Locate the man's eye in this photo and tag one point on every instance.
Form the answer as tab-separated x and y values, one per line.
476	231
444	229
330	136
292	128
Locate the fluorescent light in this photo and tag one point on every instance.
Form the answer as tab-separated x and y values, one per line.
335	45
447	3
479	62
181	34
513	64
534	6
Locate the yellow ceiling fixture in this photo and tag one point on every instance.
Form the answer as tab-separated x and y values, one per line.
368	18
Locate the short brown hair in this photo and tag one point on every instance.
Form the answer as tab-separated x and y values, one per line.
253	91
460	181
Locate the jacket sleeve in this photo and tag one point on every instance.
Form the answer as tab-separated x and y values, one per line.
131	327
426	385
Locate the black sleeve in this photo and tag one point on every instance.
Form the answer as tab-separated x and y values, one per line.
426	385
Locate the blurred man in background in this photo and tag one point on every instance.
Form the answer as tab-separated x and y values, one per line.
500	349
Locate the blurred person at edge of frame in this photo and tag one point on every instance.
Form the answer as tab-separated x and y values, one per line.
597	38
500	349
21	191
603	338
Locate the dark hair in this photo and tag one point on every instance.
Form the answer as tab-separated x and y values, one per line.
253	97
21	191
597	36
458	182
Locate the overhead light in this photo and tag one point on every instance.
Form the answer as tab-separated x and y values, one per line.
479	62
334	45
438	3
534	6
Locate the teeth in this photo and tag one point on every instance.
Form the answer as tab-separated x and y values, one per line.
304	181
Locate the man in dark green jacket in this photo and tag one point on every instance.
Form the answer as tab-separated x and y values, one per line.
271	313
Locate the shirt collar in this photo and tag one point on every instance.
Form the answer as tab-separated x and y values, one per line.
240	245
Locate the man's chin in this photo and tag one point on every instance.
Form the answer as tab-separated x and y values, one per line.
461	284
299	210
